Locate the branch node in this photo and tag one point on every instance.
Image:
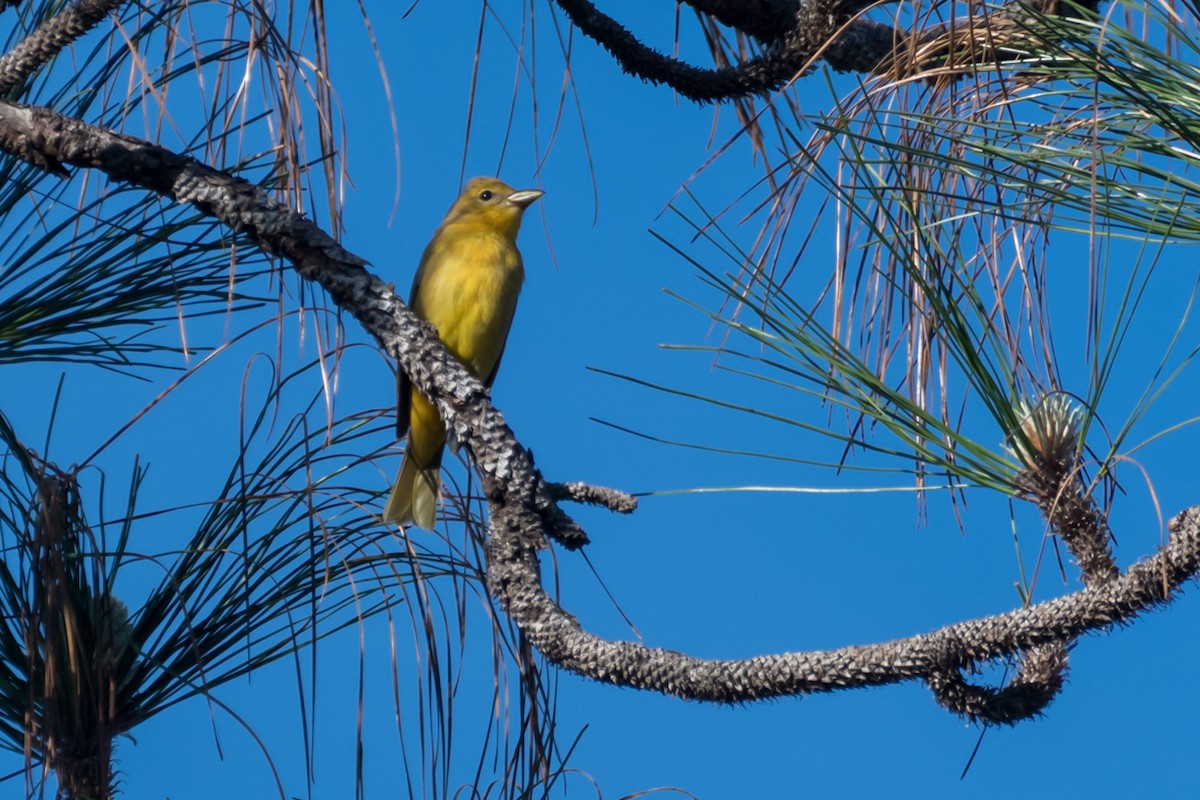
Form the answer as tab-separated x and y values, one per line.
577	492
1038	681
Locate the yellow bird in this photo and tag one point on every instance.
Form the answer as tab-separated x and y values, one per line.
466	285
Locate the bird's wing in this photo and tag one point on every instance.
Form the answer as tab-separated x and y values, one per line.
500	356
403	384
403	402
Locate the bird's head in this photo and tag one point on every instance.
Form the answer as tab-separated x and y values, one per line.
492	202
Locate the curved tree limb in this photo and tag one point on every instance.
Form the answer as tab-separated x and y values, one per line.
523	505
933	656
755	76
861	44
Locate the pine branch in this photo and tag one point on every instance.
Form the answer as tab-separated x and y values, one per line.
523	507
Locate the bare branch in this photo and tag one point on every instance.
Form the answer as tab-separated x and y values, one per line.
861	45
612	499
513	571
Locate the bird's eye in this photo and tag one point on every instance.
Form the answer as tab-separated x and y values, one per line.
485	195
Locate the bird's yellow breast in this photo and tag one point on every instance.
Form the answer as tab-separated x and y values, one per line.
468	282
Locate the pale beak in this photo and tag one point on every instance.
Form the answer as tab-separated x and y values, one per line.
524	197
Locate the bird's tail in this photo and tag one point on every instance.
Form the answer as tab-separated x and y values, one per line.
415	494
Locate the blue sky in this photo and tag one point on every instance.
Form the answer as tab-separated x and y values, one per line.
719	575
